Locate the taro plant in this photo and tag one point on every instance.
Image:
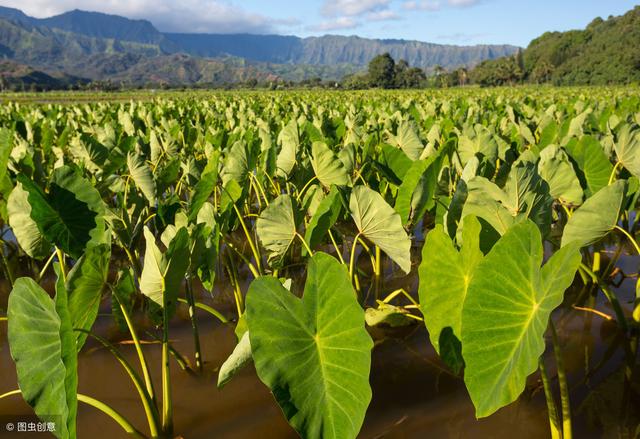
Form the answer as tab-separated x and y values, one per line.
298	220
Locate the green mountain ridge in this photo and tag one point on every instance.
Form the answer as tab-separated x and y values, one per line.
109	47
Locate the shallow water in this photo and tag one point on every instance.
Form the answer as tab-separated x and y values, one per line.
414	396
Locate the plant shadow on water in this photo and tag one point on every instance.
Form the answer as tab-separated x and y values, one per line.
414	393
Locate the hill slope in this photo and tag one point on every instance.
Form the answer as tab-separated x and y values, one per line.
606	52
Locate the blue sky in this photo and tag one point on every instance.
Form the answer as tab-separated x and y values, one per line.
439	21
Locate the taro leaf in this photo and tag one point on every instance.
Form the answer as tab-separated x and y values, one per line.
324	218
554	167
23	226
142	176
415	194
347	156
85	284
70	215
313	353
236	164
6	144
627	149
327	167
482	144
69	350
506	312
162	274
43	348
595	167
388	315
205	186
445	273
276	227
378	222
289	140
596	217
525	195
204	255
408	141
240	357
395	163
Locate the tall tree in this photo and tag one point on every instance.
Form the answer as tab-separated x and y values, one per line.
382	71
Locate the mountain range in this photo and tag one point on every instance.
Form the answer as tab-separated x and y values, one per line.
97	46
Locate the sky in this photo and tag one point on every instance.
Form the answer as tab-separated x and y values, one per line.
460	22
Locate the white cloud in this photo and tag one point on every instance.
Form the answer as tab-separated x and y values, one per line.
385	15
340	23
436	5
212	16
424	5
352	8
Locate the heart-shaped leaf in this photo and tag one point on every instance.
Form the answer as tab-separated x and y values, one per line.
525	195
142	175
70	214
408	141
314	354
162	274
43	348
596	217
25	229
276	228
327	167
595	167
379	223
627	149
445	274
506	311
85	284
289	141
554	167
324	218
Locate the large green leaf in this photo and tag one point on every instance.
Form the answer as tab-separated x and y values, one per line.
163	273
289	141
236	164
408	141
382	225
596	217
416	193
627	149
525	195
314	354
445	274
205	186
69	351
240	357
481	143
324	218
39	339
595	167
327	167
276	227
506	312
70	214
142	175
85	284
6	145
554	167
23	226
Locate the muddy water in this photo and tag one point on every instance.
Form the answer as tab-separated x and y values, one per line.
414	396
